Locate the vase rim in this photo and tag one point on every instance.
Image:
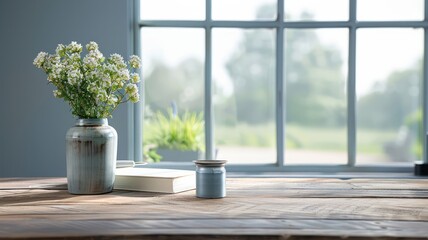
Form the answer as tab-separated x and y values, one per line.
91	121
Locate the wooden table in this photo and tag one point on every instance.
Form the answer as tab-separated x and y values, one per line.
257	208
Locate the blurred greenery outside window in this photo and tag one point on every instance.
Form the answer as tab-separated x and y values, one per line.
388	82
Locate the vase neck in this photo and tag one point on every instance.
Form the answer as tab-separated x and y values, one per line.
91	122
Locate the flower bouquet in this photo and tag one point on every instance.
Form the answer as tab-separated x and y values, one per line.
92	85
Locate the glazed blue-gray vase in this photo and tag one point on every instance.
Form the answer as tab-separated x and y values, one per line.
91	152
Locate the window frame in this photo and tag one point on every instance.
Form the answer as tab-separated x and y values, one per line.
279	25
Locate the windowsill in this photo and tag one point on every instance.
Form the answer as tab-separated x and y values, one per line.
395	170
339	175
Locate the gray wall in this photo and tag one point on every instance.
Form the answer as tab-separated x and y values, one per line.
33	123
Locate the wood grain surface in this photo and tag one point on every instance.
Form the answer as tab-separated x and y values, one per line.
260	208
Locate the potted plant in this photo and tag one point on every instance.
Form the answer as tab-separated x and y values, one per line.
93	86
176	138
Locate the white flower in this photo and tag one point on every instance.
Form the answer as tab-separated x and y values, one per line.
92	88
74	58
57	69
106	81
112	100
90	62
72	81
135	78
74	47
97	55
134	98
51	77
54	59
123	74
93	74
55	73
119	83
93	59
40	59
131	89
74	76
117	60
111	68
60	50
92	46
135	61
101	96
57	93
50	60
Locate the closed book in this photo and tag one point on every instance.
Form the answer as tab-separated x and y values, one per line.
155	180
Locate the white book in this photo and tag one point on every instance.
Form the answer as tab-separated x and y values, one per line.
155	180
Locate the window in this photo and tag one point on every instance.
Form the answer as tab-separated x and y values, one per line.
291	85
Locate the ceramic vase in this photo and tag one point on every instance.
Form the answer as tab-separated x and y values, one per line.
91	152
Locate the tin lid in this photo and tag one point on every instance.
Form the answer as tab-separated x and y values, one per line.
210	163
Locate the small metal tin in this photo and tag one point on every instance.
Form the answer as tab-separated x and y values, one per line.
210	178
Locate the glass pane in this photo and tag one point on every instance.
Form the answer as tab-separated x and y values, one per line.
244	95
316	10
389	75
392	10
315	74
244	9
172	10
173	73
